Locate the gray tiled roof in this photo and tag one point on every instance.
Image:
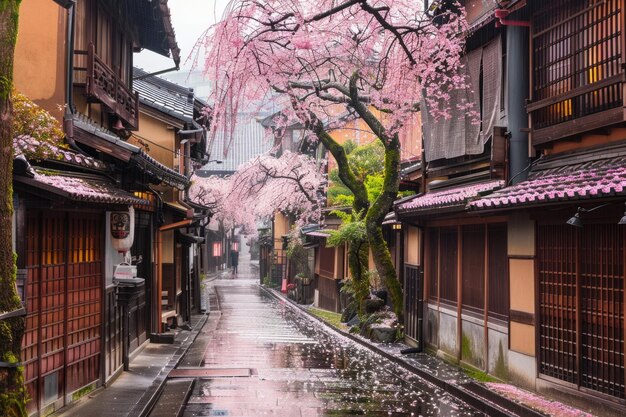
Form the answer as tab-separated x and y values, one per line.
164	96
249	140
140	157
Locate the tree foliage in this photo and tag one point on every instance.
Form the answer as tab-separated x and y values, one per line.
264	185
377	59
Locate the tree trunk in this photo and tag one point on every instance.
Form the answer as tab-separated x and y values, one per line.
379	208
373	223
12	394
358	252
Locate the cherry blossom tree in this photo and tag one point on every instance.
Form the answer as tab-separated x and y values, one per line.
379	59
262	186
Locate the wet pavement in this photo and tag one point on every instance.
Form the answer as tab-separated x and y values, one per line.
290	365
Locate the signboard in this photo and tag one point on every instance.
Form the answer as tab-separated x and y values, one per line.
120	224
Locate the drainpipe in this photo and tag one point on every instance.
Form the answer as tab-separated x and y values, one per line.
517	51
69	74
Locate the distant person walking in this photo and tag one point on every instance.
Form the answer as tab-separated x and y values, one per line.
234	260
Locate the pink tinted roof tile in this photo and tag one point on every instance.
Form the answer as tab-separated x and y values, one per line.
596	179
91	189
450	197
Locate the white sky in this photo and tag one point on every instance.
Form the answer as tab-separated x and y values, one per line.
190	19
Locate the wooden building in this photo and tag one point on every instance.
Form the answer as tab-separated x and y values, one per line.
455	263
173	131
523	243
76	63
567	276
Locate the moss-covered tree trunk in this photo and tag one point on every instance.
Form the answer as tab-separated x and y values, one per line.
358	252
12	398
381	206
373	224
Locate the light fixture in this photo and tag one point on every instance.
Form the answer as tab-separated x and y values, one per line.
577	221
396	226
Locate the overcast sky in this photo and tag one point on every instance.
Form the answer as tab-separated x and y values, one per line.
190	19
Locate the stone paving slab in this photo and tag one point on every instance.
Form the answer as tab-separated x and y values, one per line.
134	392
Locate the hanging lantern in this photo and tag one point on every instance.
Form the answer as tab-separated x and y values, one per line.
123	229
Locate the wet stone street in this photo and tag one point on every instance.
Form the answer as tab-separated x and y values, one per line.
267	358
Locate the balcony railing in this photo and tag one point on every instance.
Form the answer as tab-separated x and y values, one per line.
103	85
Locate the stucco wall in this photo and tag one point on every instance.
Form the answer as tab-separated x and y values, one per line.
412	245
521	248
39	68
162	137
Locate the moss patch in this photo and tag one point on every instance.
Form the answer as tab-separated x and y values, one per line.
334	319
479	376
466	349
76	395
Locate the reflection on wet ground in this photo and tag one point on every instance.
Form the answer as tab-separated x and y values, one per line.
300	368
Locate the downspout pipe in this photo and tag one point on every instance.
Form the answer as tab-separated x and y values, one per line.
518	87
68	116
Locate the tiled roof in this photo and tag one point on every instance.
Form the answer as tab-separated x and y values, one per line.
164	96
456	196
91	189
34	149
584	180
139	156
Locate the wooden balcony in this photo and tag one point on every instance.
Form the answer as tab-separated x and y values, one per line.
104	86
577	68
579	110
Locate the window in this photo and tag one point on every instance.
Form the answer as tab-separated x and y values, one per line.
448	264
432	265
498	271
576	43
480	271
474	267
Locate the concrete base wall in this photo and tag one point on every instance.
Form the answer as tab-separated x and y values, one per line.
473	344
498	360
522	370
447	333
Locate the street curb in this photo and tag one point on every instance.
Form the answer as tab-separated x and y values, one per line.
474	397
161	378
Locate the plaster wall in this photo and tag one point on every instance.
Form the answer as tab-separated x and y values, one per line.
163	137
39	68
523	338
167	243
521	235
412	245
522	285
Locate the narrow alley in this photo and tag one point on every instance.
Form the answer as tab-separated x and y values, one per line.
267	358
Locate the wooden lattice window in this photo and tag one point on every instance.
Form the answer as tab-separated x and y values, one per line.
498	271
432	265
576	59
448	261
474	267
581	305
